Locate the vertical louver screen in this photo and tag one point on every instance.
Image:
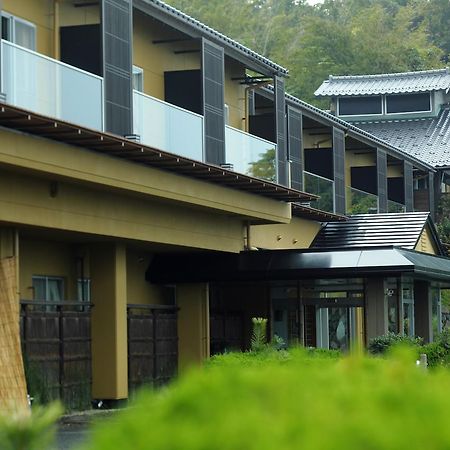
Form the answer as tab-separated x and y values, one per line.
339	170
280	123
408	183
117	65
382	181
251	103
295	147
431	193
213	102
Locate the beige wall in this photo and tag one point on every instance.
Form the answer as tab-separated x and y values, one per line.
156	59
57	160
193	324
426	242
140	291
48	15
45	258
235	94
297	234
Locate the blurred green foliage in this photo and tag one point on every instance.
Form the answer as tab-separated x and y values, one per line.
290	400
438	352
35	431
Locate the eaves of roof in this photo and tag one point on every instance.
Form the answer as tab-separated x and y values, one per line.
388	83
108	144
193	27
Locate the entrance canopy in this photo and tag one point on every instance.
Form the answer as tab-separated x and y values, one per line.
298	264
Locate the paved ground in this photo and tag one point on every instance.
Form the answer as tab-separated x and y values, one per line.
73	430
69	437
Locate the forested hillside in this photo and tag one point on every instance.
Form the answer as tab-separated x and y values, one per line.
339	37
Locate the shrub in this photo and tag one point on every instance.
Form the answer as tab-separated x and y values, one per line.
29	431
381	344
307	403
438	352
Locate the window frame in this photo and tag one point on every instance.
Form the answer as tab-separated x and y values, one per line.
12	20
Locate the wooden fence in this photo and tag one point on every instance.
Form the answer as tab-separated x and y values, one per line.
152	345
56	345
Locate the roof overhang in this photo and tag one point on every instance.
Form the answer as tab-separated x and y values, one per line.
272	265
108	144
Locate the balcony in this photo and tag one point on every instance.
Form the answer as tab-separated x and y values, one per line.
250	155
360	202
315	184
43	85
167	127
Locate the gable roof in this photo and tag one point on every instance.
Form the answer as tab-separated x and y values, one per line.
427	139
390	83
375	230
193	27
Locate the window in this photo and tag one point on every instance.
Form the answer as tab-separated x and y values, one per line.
408	103
50	289
138	79
408	309
84	290
18	31
354	106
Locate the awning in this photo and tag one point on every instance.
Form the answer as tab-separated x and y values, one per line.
296	264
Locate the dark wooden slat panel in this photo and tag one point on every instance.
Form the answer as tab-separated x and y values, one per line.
408	185
117	65
382	181
280	125
339	170
213	102
295	147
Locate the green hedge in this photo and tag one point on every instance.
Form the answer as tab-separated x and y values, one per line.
290	400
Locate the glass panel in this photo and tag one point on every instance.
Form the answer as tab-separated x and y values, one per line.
250	154
54	290
167	127
408	324
436	310
37	83
360	202
24	34
359	105
84	290
338	328
408	103
314	184
39	288
392	314
394	207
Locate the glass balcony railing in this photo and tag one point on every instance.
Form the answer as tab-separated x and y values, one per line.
250	154
360	202
167	127
394	207
43	85
315	184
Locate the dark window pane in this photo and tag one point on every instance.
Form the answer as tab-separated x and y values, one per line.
353	106
5	29
408	103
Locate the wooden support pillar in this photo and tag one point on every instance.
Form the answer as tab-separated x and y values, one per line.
408	186
423	313
109	321
193	324
376	309
382	189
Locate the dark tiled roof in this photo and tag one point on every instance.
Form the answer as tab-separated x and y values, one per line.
208	32
391	83
426	139
374	230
